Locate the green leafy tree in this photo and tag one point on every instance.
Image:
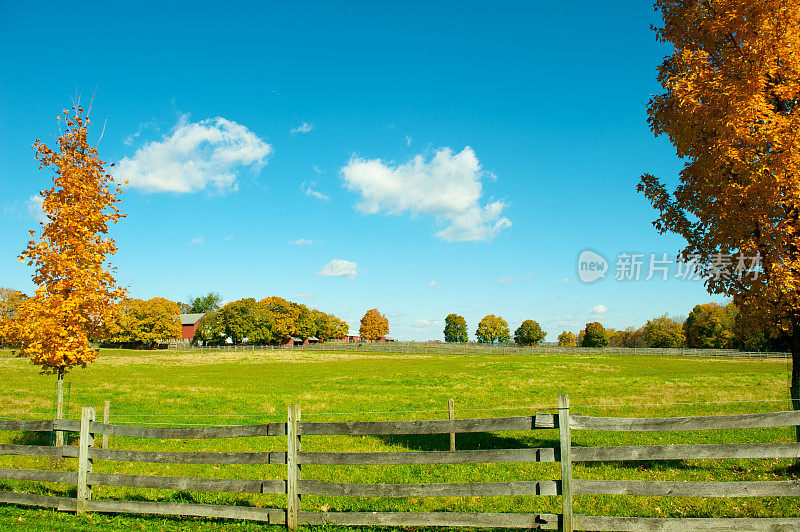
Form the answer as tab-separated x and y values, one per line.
594	335
529	333
709	326
329	326
210	330
566	339
663	332
492	329
200	305
455	329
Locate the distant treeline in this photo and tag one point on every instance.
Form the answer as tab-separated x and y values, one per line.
708	326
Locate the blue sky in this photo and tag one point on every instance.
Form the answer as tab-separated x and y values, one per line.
422	158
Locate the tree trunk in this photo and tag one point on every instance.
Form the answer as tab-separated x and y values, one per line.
60	405
794	388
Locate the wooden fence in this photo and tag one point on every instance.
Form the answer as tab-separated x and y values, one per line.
421	348
294	486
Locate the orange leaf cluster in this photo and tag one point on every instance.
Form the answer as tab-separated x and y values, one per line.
75	292
374	325
731	108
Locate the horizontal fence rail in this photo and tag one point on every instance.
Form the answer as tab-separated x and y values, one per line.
419	348
293	485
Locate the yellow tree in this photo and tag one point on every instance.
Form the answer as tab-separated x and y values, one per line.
10	300
374	325
75	291
730	107
144	323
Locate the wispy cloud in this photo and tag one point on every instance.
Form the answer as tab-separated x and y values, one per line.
511	279
196	241
565	280
408	140
194	156
598	309
448	187
302	242
35	208
143	126
308	297
339	268
316	194
434	285
305	127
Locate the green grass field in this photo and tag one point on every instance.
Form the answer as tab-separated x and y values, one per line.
193	388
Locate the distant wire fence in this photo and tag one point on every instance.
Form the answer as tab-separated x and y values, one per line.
432	348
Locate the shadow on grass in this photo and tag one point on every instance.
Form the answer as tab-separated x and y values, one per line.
41	438
464	441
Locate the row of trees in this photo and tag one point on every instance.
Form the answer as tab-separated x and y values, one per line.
143	323
271	321
492	329
709	326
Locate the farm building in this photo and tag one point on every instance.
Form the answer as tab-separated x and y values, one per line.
189	324
294	341
355	339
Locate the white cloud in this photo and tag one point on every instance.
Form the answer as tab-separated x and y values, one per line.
598	309
316	194
339	268
434	285
512	279
408	140
316	168
35	206
309	297
196	240
229	237
565	280
448	188
194	156
305	127
302	242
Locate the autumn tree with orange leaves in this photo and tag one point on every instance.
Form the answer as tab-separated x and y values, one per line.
374	325
75	292
731	108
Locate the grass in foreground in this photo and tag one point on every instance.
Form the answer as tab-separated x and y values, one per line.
193	388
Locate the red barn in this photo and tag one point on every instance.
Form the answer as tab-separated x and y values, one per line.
189	324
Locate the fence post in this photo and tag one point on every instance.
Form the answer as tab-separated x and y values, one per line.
106	414
566	463
292	467
451	414
84	462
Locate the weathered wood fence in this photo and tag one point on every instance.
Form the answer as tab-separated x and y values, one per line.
294	486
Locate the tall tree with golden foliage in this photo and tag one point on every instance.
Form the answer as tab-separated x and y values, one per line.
374	325
731	107
76	291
